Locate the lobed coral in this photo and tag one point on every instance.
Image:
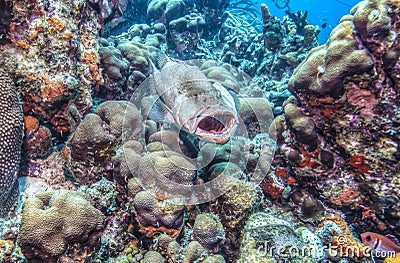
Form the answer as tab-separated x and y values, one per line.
164	11
184	35
50	78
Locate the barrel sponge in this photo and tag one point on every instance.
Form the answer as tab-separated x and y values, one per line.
53	220
323	71
155	215
10	143
208	231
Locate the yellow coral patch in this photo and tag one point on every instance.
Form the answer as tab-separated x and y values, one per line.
21	43
395	259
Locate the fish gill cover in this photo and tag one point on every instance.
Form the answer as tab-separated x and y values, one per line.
199	131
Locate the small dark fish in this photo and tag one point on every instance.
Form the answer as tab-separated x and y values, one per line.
379	242
324	25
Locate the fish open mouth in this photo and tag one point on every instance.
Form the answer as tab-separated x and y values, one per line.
217	124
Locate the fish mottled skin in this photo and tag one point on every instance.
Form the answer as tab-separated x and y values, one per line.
11	132
205	109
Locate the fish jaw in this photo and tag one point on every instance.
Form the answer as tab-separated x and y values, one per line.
217	127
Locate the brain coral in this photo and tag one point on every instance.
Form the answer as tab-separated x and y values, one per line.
10	143
51	221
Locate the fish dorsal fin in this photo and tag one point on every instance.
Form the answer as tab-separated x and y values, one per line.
159	58
159	112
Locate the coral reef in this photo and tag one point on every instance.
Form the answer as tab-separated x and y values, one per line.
342	130
53	222
52	81
103	180
6	15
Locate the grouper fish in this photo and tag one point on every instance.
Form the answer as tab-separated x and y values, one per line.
188	99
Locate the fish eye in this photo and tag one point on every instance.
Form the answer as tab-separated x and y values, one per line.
368	238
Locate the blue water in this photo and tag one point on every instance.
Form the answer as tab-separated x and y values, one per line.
319	12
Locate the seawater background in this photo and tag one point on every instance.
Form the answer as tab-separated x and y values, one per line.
319	12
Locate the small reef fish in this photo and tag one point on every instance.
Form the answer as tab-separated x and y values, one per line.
379	242
188	99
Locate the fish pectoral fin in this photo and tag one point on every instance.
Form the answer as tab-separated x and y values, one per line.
159	112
